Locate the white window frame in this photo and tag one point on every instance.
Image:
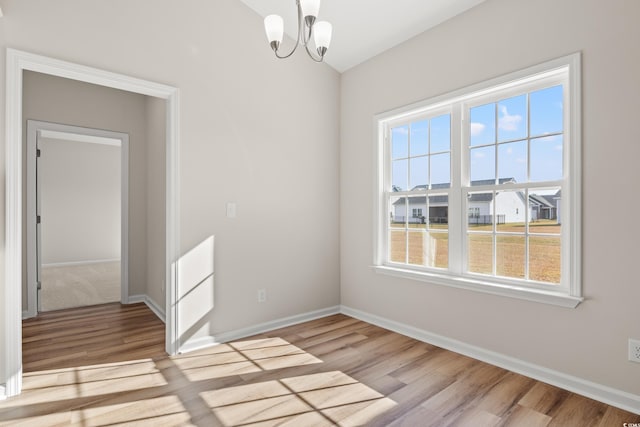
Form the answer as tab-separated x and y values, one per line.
569	293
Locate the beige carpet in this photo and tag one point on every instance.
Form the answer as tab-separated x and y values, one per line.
79	285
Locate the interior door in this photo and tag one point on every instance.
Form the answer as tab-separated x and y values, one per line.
38	228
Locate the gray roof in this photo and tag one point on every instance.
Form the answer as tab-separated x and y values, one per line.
549	201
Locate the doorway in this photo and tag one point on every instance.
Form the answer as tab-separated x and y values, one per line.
77	216
17	62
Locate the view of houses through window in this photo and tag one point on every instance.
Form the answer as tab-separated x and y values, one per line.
510	185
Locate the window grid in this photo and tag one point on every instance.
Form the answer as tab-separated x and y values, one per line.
532	179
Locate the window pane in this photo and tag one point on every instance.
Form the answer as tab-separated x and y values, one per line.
480	253
397	212
480	211
512	118
419	138
417	248
419	174
482	126
512	161
510	256
544	259
546	111
417	212
398	246
429	249
438	212
400	142
441	133
483	165
399	175
438	250
441	170
546	158
511	211
544	206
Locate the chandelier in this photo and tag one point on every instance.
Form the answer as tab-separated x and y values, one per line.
307	27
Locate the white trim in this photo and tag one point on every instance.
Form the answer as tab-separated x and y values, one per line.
75	137
37	129
568	293
133	299
12	346
68	264
17	62
620	399
489	287
203	342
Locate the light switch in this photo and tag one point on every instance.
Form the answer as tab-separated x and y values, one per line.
231	210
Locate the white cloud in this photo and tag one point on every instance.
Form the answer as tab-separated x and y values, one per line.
508	122
477	128
478	154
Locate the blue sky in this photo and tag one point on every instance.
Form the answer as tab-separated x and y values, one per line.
508	135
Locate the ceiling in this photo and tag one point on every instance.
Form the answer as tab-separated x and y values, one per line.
364	28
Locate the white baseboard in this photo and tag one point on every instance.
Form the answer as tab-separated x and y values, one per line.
72	263
620	399
157	310
203	342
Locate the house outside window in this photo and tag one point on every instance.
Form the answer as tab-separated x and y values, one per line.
489	166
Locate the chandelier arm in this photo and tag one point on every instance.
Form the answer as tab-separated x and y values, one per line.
300	35
312	56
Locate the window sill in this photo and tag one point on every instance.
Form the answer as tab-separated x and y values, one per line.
511	291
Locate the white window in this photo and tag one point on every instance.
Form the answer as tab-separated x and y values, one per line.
489	166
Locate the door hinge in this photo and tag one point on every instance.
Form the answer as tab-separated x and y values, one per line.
38	219
38	152
38	285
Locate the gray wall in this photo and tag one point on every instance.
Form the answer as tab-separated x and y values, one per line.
59	100
155	196
79	201
254	130
494	38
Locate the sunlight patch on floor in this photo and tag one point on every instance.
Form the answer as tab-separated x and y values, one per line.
330	398
243	357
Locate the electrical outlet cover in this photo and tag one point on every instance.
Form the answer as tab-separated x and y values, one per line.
634	350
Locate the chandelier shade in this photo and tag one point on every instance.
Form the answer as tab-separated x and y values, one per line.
308	28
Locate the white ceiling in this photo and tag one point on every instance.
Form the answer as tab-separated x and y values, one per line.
364	28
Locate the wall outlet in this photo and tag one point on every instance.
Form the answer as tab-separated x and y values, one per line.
262	295
634	350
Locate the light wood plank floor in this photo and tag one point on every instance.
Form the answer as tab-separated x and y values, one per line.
331	371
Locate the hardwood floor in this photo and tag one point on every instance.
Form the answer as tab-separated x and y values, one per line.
91	335
331	371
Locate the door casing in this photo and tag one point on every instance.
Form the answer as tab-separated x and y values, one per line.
35	129
16	63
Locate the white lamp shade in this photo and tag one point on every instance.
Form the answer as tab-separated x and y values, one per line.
310	7
322	34
274	27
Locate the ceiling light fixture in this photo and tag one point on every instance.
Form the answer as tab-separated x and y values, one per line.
307	26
